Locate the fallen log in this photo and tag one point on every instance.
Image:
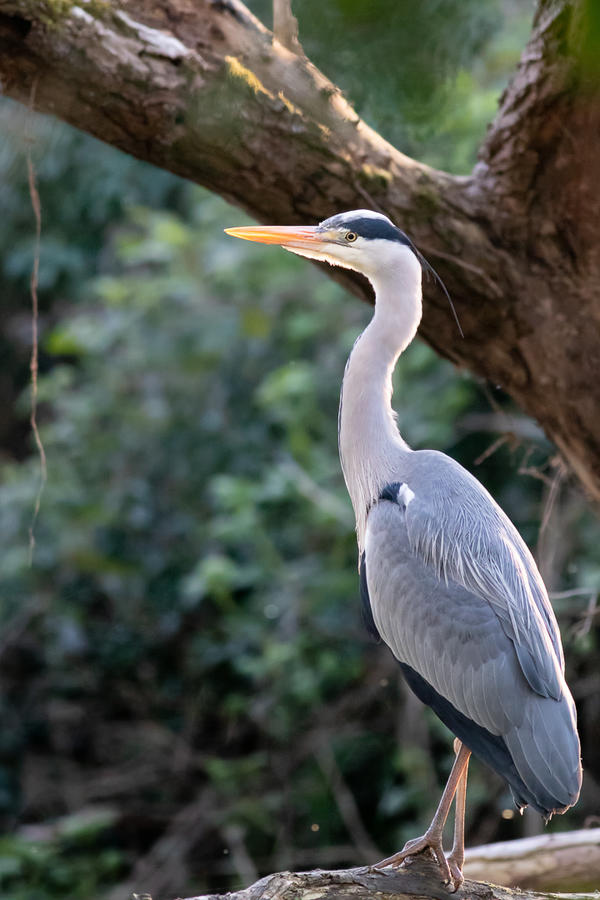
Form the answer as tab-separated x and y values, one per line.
567	860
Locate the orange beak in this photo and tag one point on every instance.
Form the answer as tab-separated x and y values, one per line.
284	235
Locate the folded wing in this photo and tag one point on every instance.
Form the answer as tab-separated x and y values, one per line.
474	643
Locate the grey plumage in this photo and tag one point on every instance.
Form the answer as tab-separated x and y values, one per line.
465	635
455	526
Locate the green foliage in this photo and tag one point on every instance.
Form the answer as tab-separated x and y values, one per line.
67	862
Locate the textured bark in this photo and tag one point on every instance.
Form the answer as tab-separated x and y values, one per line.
420	879
199	87
565	861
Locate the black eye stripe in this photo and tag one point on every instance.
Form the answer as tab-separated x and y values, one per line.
369	228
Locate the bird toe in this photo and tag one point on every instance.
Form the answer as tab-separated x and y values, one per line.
456	876
431	843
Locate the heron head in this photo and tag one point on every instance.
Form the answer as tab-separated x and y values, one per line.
361	240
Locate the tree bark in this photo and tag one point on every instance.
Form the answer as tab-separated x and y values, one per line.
420	879
199	87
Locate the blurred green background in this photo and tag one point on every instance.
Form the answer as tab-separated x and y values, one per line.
188	699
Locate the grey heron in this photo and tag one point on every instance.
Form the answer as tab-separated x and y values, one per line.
446	579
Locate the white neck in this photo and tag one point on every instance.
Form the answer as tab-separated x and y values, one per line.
371	447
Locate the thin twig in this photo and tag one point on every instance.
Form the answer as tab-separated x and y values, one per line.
583	626
371	202
285	26
533	472
552	497
489	451
549	538
33	364
574	592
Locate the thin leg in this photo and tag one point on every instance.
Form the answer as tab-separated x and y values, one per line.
432	838
457	854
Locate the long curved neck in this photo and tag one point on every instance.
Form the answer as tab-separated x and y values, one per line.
372	450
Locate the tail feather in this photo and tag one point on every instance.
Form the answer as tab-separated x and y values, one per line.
539	757
546	753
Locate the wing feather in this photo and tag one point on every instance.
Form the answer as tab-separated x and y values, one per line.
456	527
450	635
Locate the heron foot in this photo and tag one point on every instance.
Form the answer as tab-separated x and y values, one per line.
432	841
455	863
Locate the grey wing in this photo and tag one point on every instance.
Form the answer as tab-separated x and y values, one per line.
454	641
447	634
457	527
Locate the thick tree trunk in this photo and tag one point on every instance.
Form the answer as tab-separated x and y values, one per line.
418	880
202	89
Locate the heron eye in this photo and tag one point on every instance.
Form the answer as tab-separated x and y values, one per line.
351	236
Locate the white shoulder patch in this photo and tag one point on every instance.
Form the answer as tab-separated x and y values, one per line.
405	495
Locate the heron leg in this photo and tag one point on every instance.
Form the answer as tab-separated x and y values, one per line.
432	839
457	854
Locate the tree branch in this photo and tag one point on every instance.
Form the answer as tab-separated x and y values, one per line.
202	90
420	879
564	861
